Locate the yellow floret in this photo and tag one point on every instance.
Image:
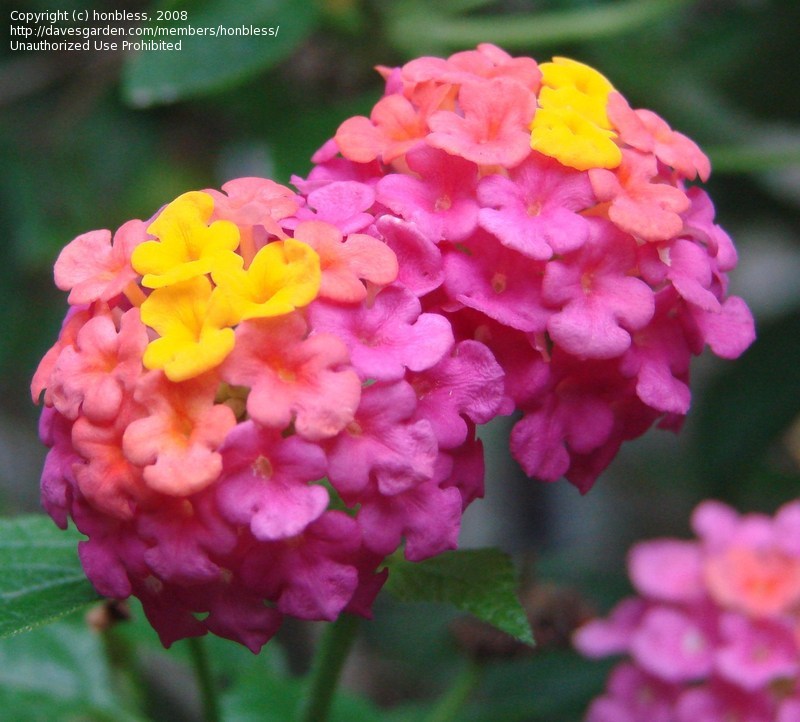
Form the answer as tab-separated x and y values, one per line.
564	72
283	276
591	107
187	246
192	340
571	124
573	140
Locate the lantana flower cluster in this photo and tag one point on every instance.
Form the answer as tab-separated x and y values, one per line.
713	631
257	395
248	411
532	206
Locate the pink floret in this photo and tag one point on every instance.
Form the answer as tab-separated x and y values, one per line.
388	337
294	378
92	267
266	479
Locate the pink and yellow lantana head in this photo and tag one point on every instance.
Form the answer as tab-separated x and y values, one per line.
221	427
561	228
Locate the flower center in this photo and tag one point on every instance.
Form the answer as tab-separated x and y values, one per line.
693	643
499	282
443	203
262	467
534	208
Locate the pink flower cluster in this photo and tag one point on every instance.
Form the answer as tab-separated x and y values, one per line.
531	206
713	634
241	440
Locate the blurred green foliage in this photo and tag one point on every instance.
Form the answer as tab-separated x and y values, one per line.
41	578
90	140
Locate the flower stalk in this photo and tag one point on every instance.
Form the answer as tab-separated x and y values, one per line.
205	679
334	647
449	707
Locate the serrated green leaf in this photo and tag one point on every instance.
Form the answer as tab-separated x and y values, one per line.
479	581
207	63
41	578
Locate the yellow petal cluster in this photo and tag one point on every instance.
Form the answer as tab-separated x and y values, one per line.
201	289
571	123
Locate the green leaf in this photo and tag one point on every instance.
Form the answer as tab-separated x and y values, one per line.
766	153
41	578
206	63
412	25
479	581
58	673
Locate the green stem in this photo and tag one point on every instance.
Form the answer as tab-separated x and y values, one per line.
125	677
453	701
205	680
334	646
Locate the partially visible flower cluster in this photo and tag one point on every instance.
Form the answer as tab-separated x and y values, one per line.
713	633
247	412
546	218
